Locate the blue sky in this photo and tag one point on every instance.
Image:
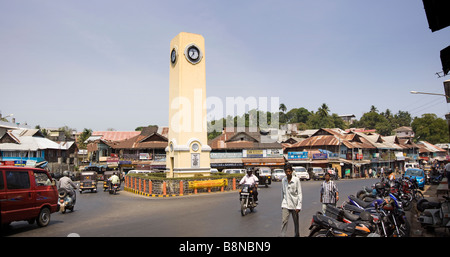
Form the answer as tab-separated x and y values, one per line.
105	63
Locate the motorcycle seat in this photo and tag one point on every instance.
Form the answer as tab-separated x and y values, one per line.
360	202
350	216
333	223
355	209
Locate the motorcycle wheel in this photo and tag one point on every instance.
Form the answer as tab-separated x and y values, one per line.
404	229
243	207
320	233
422	204
418	196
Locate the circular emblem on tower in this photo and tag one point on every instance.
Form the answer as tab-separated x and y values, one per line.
193	54
174	55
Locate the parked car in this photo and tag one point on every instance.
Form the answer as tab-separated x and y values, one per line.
418	175
278	174
140	171
317	173
301	173
28	194
264	175
234	171
409	165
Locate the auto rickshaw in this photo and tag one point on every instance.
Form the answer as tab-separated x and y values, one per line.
88	181
106	181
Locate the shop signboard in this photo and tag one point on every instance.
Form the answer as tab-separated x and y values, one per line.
224	155
145	156
297	155
255	153
319	156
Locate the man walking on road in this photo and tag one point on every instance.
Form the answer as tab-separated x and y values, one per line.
291	201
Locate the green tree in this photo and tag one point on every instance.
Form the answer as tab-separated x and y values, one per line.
402	119
323	110
83	137
297	115
283	107
430	128
322	119
374	120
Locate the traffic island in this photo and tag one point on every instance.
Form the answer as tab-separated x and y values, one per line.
151	186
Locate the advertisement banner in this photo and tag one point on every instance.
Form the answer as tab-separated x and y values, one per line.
208	183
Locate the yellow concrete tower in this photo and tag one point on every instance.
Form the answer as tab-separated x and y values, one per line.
188	152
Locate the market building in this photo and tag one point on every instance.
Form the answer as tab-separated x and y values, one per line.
145	151
245	147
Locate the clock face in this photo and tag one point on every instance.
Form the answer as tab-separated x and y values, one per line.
195	147
193	54
173	56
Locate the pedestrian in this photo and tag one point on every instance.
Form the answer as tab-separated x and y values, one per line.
328	193
291	200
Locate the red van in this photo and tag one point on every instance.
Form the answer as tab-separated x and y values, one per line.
27	194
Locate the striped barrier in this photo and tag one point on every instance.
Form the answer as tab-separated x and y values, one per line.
172	188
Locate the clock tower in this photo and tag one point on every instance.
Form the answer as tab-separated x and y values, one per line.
187	153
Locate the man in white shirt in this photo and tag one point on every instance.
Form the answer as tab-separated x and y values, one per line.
291	201
251	180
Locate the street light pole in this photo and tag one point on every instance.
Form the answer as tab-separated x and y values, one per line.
426	93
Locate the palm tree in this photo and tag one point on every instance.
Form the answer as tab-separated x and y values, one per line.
83	137
283	107
323	110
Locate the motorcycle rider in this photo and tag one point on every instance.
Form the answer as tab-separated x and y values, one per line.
253	181
66	183
114	179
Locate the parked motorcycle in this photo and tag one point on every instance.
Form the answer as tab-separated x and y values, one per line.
435	180
65	201
391	217
434	214
333	225
246	199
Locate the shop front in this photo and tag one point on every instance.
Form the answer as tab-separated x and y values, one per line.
272	163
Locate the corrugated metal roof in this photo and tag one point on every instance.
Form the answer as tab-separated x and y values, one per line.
115	135
28	143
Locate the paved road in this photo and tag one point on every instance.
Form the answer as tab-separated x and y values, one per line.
207	215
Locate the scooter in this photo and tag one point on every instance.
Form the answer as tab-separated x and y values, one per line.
434	215
65	201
